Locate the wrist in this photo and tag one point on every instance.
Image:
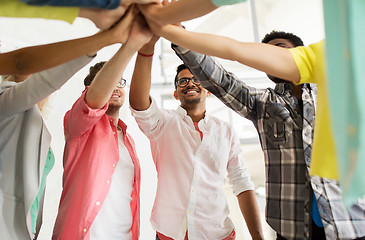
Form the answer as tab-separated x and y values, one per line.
145	55
147	50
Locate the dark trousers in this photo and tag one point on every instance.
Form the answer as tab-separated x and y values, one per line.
317	234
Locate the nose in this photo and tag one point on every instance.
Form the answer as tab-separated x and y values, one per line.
190	83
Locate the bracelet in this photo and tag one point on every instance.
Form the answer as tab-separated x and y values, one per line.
145	55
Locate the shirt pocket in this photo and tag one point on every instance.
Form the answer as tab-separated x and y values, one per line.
218	153
275	123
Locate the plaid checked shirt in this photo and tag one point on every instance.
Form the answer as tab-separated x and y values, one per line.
286	133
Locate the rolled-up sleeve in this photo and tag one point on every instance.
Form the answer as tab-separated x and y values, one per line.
81	117
149	120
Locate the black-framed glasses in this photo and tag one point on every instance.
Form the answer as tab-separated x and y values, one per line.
121	83
184	81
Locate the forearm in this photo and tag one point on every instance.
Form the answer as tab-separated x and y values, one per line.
179	11
270	59
107	78
15	8
40	85
141	80
250	212
34	59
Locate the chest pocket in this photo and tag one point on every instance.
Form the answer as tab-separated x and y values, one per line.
218	153
276	122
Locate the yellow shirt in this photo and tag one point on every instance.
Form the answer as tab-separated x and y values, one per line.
16	8
311	64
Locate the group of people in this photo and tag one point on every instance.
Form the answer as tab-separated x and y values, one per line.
192	151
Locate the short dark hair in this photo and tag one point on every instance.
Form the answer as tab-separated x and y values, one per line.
294	39
92	73
178	70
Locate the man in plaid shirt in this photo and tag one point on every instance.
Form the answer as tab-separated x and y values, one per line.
298	206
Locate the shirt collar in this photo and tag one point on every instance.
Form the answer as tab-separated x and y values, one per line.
121	124
284	87
183	114
281	88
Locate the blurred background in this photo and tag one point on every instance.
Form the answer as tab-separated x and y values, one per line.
247	22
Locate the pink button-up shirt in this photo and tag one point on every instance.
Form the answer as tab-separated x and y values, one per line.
90	157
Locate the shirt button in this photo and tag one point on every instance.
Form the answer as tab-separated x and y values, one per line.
108	182
97	203
85	230
114	133
113	164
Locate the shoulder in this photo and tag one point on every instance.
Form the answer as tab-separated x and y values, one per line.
5	85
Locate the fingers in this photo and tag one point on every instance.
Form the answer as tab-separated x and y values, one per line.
131	13
166	2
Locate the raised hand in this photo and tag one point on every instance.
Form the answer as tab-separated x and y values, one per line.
121	30
129	2
103	19
140	33
151	11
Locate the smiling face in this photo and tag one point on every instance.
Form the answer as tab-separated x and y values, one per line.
116	100
192	93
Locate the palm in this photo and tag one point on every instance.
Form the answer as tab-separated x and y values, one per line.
140	32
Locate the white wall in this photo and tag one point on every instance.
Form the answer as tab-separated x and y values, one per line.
303	18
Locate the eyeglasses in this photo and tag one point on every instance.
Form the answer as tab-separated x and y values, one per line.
184	81
121	83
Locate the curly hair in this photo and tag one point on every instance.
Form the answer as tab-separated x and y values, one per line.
294	39
92	73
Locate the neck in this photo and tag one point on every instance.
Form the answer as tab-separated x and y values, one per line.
196	112
114	115
297	90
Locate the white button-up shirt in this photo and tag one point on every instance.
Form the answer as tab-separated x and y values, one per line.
192	172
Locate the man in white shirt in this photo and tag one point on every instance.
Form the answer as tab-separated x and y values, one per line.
192	152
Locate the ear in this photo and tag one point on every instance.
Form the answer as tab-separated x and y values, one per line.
175	95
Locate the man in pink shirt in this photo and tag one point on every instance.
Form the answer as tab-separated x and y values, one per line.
192	152
101	180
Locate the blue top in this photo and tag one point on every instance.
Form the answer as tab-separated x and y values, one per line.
106	4
315	213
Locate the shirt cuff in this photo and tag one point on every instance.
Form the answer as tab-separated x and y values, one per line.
149	112
220	3
178	49
88	111
148	119
240	181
